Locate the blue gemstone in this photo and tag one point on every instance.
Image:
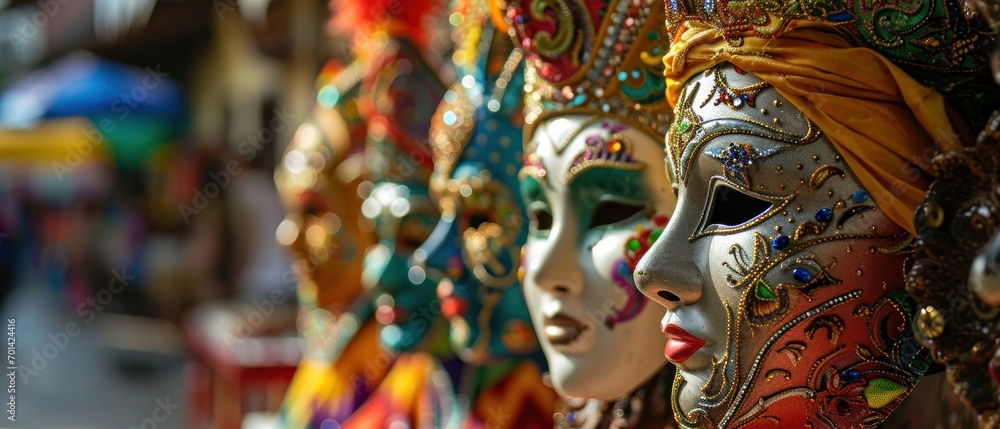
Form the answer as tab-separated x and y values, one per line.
824	215
849	376
622	75
801	275
841	16
860	196
635	74
780	242
571	417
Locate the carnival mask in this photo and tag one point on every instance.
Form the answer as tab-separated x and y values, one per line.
782	279
318	179
594	210
322	225
404	216
475	249
399	203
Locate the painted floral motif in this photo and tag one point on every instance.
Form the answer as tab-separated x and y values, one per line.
608	145
635	248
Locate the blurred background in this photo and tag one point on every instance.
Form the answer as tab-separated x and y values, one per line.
138	260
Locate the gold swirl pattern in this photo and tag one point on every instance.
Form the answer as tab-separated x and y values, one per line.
551	44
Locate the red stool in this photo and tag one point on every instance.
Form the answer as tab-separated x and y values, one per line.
238	352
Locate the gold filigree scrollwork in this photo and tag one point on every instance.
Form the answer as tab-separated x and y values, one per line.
549	44
719	367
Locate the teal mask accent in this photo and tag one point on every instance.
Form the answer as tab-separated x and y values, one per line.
475	248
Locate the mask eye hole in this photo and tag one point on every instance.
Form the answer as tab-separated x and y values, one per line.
612	212
731	207
541	219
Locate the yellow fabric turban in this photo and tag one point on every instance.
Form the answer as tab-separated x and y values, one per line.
884	123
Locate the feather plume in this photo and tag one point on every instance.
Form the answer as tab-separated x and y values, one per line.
410	19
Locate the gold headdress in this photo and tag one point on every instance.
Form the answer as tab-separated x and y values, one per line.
943	44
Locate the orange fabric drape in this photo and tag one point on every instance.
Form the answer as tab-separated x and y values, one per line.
884	123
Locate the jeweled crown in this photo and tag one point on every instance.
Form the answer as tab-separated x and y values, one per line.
593	57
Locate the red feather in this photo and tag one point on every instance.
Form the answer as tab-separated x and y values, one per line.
401	18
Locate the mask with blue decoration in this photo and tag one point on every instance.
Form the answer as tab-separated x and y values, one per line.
475	248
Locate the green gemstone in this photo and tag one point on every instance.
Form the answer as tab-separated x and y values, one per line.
655	235
763	292
684	126
920	366
633	245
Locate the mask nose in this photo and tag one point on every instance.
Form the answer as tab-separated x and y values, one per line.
554	264
667	273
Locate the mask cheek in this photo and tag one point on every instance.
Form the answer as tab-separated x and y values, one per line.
720	271
658	187
530	264
606	254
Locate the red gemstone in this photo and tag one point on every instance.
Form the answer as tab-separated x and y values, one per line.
661	220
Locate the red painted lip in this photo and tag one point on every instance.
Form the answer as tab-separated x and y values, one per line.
680	344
